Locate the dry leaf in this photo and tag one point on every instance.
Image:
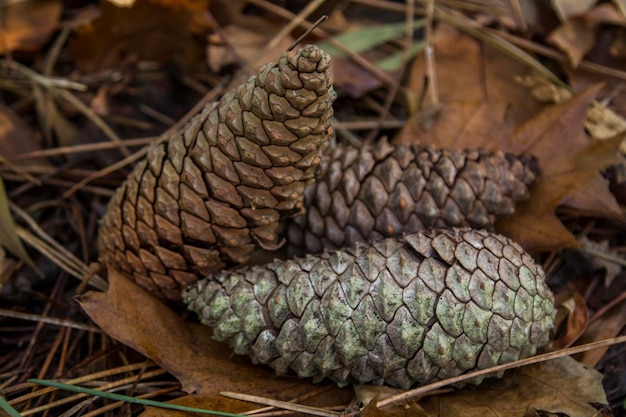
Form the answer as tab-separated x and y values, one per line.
352	78
561	386
16	137
611	269
487	75
460	125
567	8
571	307
28	24
207	402
130	315
575	37
606	326
599	203
246	46
146	31
369	395
569	160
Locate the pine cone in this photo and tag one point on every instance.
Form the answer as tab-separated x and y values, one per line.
416	309
206	197
383	191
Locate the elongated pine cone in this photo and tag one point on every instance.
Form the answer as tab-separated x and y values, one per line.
415	309
383	191
208	195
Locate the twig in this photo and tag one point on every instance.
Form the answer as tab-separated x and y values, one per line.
93	117
307	32
429	55
46	82
552	54
49	320
393	91
53	250
381	75
90	147
603	255
281	404
211	96
474	29
602	310
397	399
297	21
55	51
121	384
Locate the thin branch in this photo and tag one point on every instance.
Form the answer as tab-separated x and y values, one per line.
397	399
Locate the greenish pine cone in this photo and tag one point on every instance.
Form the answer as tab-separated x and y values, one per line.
385	190
206	197
405	311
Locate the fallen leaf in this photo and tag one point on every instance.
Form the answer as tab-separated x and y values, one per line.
369	395
575	37
569	161
600	203
206	402
468	124
16	137
611	269
246	47
487	75
352	78
606	326
130	315
567	8
28	24
163	33
571	307
561	386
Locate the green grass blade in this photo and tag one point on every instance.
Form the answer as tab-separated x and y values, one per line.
6	407
365	39
133	400
393	62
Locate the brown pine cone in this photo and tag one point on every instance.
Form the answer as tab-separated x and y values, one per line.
205	198
405	311
383	190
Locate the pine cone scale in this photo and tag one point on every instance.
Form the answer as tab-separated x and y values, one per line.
398	311
187	199
383	190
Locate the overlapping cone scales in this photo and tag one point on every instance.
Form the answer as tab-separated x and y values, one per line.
383	190
206	197
400	311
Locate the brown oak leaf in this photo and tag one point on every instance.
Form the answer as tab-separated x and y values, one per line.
570	162
132	316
